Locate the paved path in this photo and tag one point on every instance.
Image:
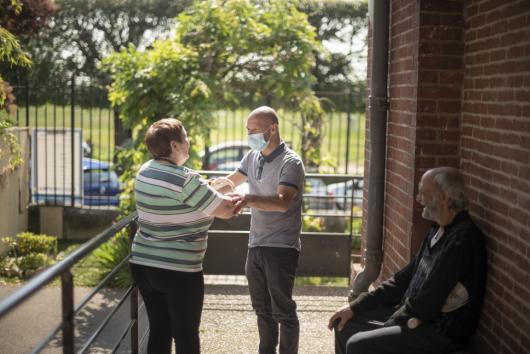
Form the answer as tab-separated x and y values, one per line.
228	323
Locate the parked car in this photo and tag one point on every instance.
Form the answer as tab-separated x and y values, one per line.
342	193
227	156
224	156
100	183
317	196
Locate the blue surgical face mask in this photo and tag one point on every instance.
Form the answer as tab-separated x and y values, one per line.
257	141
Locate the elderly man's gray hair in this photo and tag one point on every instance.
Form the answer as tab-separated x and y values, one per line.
450	181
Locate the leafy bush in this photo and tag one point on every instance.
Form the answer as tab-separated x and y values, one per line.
264	49
109	255
32	262
28	242
27	254
313	223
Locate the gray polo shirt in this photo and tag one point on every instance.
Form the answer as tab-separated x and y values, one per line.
265	173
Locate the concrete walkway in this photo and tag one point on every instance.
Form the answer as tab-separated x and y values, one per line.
228	322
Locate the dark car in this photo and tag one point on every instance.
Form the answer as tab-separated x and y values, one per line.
224	156
100	183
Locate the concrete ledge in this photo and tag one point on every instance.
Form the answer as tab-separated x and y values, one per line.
71	223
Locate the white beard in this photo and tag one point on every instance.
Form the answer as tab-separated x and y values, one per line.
430	212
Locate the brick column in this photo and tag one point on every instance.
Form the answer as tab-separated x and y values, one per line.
425	83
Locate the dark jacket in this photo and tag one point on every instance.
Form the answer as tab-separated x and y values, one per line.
459	256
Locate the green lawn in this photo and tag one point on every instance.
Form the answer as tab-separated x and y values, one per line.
97	124
231	126
98	128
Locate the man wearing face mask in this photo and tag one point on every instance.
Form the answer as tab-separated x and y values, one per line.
275	175
433	304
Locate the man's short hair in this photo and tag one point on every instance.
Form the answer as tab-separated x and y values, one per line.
160	134
267	112
450	181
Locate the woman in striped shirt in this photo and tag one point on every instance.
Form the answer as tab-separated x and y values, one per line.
175	209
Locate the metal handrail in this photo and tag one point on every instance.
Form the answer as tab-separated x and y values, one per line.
100	286
106	321
62	269
332	177
48	275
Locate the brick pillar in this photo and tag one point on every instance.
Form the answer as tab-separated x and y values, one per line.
425	85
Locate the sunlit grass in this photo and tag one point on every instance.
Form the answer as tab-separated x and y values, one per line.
97	126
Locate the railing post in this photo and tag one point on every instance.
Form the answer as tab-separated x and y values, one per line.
134	319
348	132
134	301
67	287
72	139
352	197
27	101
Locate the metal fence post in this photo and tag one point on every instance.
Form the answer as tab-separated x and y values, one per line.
134	302
348	132
72	138
67	287
27	101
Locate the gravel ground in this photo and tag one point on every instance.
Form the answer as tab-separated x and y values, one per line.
228	321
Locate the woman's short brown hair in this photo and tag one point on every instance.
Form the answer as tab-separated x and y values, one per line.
160	135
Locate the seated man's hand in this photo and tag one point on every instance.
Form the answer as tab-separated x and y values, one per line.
339	318
398	318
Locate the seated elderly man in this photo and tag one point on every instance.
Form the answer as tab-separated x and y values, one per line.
433	304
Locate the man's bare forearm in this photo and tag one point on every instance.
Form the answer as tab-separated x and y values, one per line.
267	203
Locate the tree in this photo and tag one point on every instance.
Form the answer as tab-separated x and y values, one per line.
25	17
340	23
17	18
219	48
83	32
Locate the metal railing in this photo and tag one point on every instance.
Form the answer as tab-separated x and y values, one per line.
326	195
76	122
327	249
325	254
73	143
69	309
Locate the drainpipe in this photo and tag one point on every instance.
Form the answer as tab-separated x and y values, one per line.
378	106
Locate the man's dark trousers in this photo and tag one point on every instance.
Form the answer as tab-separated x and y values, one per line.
365	334
270	272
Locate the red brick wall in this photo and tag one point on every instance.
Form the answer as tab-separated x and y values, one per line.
425	86
459	84
400	172
495	157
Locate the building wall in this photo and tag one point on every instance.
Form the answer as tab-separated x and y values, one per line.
425	88
14	190
495	158
459	87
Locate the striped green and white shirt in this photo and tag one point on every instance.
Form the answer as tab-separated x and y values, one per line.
175	209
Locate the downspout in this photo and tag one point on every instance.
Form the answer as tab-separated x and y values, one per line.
378	106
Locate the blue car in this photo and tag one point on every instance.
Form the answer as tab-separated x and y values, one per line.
101	186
